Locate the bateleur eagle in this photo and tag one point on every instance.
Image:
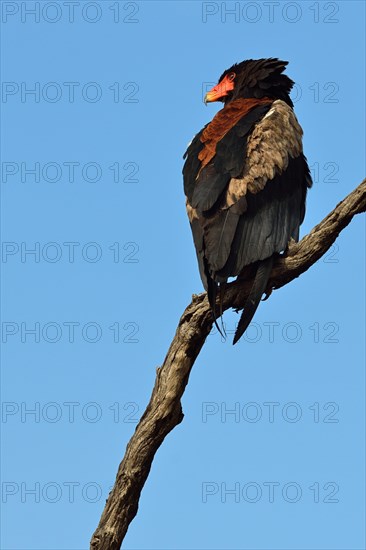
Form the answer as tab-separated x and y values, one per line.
245	180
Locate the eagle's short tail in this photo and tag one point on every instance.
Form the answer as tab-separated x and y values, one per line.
259	286
212	289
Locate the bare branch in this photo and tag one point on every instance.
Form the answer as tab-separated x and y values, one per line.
164	410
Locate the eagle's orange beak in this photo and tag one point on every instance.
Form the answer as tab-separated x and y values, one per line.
220	90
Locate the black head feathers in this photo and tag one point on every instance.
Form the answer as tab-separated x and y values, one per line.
260	78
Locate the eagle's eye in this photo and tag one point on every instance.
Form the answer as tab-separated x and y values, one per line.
231	76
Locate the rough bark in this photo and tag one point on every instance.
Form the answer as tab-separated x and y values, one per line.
164	410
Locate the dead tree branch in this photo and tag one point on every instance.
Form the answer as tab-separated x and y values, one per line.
164	410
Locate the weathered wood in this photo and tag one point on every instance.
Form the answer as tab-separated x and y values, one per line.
164	410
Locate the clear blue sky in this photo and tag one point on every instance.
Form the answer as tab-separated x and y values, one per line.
117	95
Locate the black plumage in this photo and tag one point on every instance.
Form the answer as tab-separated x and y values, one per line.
245	179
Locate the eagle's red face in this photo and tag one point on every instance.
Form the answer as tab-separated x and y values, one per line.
222	89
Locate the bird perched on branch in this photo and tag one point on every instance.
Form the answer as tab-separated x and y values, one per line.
245	180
